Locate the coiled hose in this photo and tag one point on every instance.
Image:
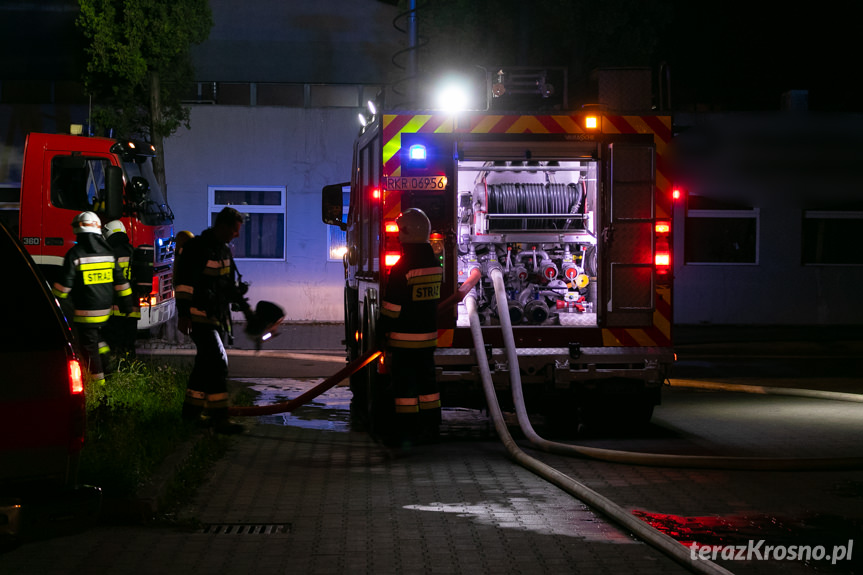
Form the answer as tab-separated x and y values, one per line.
515	198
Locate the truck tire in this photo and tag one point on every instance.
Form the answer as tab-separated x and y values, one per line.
379	401
359	401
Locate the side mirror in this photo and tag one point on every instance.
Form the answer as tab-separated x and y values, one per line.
332	205
113	193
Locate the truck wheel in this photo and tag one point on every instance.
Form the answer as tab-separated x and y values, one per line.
379	401
359	400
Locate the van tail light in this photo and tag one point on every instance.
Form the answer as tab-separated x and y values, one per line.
78	413
76	378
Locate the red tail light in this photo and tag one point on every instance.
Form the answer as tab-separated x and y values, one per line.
662	257
76	378
390	258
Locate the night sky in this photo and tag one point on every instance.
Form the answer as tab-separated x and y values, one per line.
723	56
743	56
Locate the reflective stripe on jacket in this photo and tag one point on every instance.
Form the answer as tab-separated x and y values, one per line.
409	306
203	280
124	253
92	279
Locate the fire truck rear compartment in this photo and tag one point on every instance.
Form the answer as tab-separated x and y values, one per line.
537	219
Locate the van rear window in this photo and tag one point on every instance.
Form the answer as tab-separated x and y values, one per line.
30	322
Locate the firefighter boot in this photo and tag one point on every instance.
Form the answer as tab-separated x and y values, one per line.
221	424
192	412
429	428
406	431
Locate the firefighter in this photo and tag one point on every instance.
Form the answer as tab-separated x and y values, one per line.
169	330
205	288
92	280
409	322
122	328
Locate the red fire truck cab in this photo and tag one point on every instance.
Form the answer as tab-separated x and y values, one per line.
64	175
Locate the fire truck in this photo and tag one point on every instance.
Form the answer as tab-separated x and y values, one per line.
574	208
64	175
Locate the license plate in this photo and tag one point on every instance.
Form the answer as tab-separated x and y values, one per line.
415	183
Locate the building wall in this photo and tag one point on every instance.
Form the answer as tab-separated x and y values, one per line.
339	41
301	149
783	164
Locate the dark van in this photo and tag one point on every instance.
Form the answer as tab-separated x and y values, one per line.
42	410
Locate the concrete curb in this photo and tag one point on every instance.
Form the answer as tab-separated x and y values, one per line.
767	390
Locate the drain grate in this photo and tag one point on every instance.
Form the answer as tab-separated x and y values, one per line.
246	529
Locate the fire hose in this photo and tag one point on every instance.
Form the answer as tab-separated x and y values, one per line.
663	542
349	369
626	457
309	395
636	458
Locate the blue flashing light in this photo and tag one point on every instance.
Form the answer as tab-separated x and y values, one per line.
417	153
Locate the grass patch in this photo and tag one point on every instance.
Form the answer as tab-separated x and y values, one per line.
208	449
133	423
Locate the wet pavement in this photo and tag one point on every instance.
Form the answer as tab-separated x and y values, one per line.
303	493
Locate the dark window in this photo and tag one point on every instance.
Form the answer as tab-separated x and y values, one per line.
334	96
721	237
77	183
233	94
290	95
832	238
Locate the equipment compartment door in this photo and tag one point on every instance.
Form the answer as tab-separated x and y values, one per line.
626	255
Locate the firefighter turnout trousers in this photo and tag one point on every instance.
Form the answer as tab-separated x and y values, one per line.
415	390
409	319
92	348
207	387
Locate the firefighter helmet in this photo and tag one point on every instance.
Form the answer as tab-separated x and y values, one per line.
183	236
113	227
414	227
87	223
